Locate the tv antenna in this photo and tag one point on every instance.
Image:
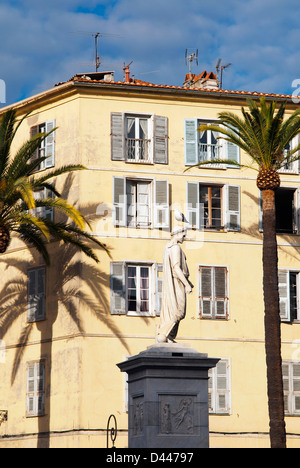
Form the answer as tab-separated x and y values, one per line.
191	57
96	36
221	68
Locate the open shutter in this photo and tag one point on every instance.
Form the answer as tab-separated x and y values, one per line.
160	140
296	388
158	291
119	201
296	214
33	131
232	152
50	145
284	294
36	295
222	387
190	142
193	205
31	372
161	204
220	285
206	293
233	221
117	288
117	137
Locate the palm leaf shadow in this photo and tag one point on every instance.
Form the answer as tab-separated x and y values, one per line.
69	291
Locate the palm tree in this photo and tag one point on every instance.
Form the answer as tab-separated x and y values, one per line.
19	180
264	134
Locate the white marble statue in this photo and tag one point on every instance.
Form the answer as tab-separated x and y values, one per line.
175	287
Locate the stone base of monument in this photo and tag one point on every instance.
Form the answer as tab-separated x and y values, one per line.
168	397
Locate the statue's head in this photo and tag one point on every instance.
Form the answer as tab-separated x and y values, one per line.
179	233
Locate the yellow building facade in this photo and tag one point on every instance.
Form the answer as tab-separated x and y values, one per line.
65	327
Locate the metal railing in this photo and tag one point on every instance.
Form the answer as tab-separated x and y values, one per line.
137	150
209	152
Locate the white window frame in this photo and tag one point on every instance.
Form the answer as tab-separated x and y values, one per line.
213	299
47	146
291	385
148	141
43	211
35	388
293	167
121	288
151	289
219	387
135	183
159	207
36	294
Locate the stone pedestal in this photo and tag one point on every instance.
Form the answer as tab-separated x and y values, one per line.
168	397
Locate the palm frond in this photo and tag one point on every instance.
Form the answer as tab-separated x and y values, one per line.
33	238
64	207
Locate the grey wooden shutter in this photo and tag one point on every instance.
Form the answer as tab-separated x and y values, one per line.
284	294
190	142
117	137
222	387
36	295
296	388
36	389
232	153
160	140
206	292
33	131
161	204
50	145
193	210
159	283
220	287
233	208
117	288
119	201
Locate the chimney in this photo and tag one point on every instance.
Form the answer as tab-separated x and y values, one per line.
203	81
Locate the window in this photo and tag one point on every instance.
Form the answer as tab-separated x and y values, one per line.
207	146
213	206
213	292
136	288
141	203
138	203
219	388
36	301
43	211
292	166
139	138
288	284
35	388
291	387
287	204
47	147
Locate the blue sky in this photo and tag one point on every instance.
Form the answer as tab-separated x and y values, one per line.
43	43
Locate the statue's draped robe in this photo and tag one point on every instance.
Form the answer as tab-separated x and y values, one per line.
173	291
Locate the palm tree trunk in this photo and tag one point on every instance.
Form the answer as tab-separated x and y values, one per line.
272	323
